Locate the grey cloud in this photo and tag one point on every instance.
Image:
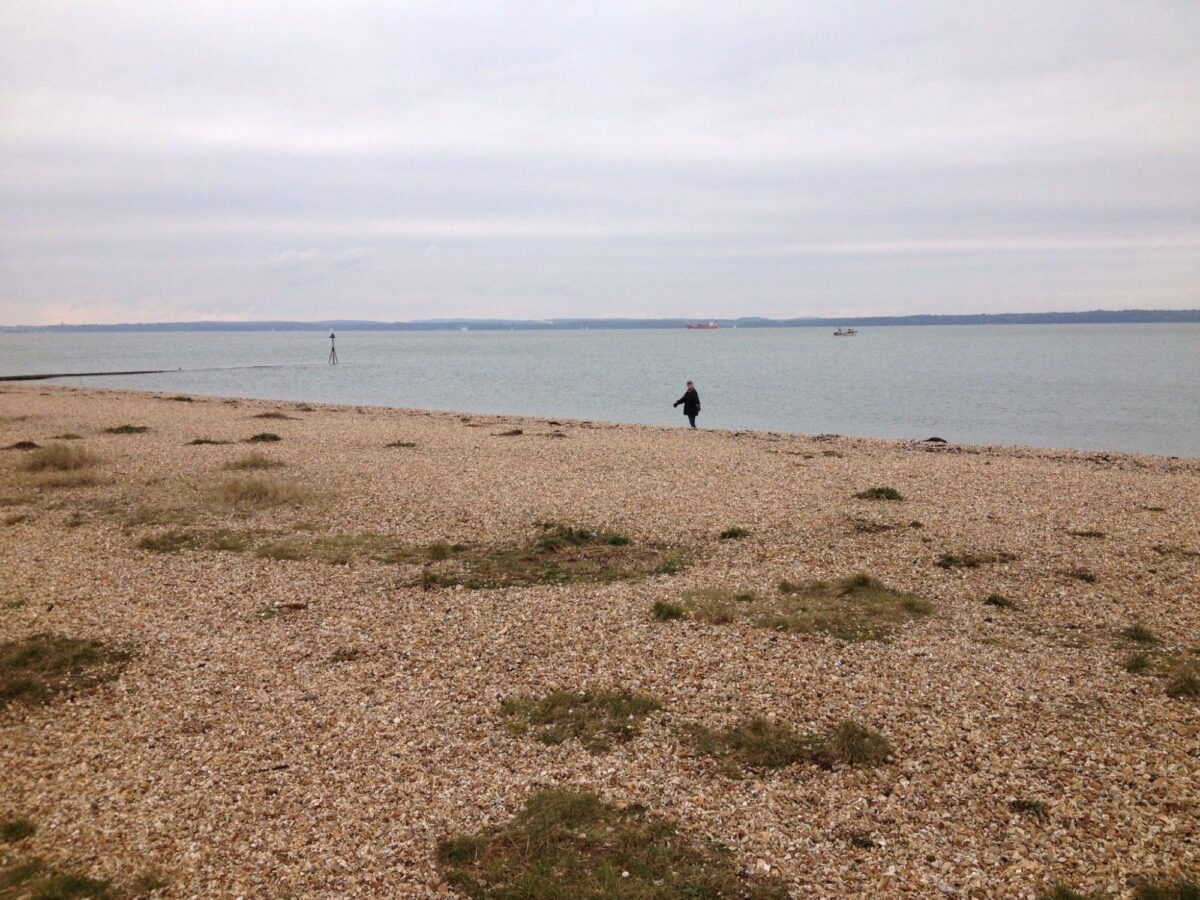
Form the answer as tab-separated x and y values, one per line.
677	159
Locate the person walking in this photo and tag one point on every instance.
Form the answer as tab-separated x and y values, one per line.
691	403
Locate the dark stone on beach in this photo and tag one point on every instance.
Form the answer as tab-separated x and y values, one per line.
934	440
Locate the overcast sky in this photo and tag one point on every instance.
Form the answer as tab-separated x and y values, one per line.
198	160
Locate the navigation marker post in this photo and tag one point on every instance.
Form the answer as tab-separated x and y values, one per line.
333	360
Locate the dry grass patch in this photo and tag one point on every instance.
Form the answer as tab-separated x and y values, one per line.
999	601
259	493
36	669
127	429
67	436
855	608
274	415
758	743
570	844
870	526
60	458
205	442
595	719
972	559
733	534
1080	574
263	437
252	462
401	444
559	554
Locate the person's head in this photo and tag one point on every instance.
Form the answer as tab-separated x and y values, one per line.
690	386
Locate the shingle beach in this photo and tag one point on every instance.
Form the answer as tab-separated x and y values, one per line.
302	714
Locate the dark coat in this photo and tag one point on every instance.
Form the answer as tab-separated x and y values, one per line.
691	403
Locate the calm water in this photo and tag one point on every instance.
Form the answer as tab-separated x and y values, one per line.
1105	387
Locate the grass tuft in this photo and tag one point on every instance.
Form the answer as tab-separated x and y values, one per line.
1085	533
595	719
67	436
733	534
971	560
1184	683
13	830
999	601
1139	634
879	493
273	415
23	445
263	437
1183	889
1080	574
570	844
401	444
512	432
558	554
252	462
667	612
127	429
1138	663
259	493
855	608
758	743
1065	892
59	458
36	669
204	442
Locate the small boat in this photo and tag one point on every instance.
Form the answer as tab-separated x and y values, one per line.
702	326
845	332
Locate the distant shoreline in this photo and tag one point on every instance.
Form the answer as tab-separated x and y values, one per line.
1091	317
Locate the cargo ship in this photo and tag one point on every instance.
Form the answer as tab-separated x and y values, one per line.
702	326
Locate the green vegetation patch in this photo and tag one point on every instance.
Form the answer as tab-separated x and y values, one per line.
759	743
1180	889
263	437
36	669
13	830
127	429
205	442
273	415
596	719
401	444
665	611
879	493
67	436
855	608
570	844
558	554
23	445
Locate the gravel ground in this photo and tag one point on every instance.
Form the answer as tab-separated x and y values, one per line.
237	758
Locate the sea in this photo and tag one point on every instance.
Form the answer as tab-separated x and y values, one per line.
1129	387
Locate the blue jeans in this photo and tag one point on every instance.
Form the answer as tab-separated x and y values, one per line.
692	420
